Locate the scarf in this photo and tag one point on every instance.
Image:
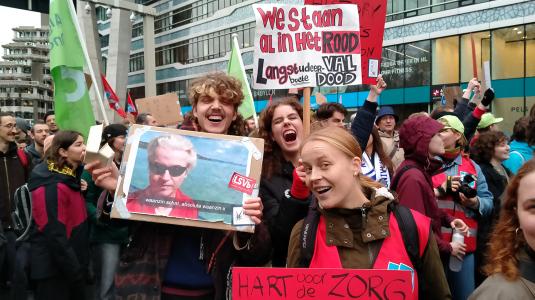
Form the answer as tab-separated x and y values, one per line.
52	167
376	171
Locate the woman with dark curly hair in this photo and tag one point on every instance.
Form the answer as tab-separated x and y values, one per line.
511	257
283	192
490	150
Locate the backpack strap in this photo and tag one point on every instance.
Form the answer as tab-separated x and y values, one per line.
397	176
409	233
23	157
308	234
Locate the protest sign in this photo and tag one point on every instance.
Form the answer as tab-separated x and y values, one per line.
293	283
303	46
188	178
164	108
372	18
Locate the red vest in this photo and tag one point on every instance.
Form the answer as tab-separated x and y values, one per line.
450	206
326	256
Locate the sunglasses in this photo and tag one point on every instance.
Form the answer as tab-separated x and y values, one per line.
160	169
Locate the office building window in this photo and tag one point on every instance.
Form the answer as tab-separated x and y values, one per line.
482	54
418	64
136	62
392	65
445	62
137	29
208	46
508	53
530	50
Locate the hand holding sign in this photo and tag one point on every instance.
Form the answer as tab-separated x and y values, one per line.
377	89
253	208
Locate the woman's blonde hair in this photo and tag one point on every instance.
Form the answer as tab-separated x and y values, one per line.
342	140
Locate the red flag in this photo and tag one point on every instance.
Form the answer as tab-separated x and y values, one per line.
130	107
112	98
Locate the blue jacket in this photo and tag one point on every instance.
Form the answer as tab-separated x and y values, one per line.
521	152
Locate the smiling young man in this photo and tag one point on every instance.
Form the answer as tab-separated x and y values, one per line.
39	132
178	262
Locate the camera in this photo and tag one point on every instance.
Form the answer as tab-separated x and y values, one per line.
465	187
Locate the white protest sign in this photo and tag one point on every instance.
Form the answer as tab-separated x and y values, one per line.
306	46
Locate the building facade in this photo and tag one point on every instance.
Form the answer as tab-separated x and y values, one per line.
427	46
25	82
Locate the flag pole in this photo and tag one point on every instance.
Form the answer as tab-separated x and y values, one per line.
306	110
74	18
235	45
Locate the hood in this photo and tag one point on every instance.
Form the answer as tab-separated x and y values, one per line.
31	149
395	136
415	135
41	175
522	147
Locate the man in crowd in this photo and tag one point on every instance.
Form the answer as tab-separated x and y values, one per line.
38	133
386	122
14	170
488	123
333	114
50	120
146	119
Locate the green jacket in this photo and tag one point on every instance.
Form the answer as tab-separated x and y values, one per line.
100	232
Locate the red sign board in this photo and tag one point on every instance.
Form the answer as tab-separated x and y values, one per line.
372	15
288	283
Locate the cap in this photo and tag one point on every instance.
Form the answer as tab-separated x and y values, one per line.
488	119
22	124
386	111
452	122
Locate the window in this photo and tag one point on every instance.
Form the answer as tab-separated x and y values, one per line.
418	64
445	65
508	53
136	62
530	50
392	65
482	53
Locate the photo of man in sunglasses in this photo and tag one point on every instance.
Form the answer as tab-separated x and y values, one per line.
170	159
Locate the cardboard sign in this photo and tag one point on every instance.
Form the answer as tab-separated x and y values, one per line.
282	283
182	177
304	46
164	108
372	26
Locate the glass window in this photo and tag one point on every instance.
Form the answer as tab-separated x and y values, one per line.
418	64
508	53
530	50
392	64
445	60
482	53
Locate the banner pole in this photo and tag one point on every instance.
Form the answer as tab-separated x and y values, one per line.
74	18
306	110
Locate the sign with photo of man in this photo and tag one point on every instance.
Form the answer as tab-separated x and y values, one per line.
188	178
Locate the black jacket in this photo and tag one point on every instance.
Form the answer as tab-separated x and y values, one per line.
59	237
35	156
12	176
281	210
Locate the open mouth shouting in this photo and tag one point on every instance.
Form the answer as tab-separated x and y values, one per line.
215	118
321	190
289	135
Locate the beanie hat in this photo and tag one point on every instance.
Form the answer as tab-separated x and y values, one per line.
112	131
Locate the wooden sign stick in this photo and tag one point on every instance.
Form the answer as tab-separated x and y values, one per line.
306	110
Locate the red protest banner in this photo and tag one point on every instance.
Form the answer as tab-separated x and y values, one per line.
282	283
372	15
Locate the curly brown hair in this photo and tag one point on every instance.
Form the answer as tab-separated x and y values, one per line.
482	150
228	88
505	241
273	157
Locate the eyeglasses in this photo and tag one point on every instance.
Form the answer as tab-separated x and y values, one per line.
160	169
9	126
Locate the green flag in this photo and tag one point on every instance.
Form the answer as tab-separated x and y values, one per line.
237	70
71	98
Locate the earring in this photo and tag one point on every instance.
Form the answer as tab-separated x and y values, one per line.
517	230
355	174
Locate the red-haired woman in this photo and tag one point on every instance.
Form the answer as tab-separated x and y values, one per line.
511	259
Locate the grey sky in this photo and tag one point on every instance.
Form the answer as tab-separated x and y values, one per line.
11	17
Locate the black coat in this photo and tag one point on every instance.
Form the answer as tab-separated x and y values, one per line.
281	210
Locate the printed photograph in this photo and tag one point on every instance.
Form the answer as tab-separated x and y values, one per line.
186	177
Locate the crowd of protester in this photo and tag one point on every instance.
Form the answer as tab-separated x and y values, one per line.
346	196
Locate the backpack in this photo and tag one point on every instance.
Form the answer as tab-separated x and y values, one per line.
407	227
21	213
